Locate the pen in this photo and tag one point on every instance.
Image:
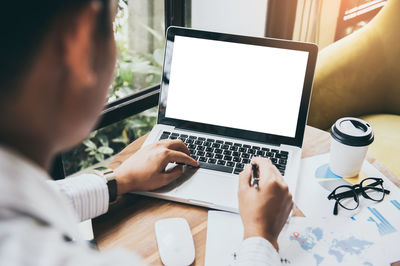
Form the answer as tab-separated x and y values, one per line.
254	178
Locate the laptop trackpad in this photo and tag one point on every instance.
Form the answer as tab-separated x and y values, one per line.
208	186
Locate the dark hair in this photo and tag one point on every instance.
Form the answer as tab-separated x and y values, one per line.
24	25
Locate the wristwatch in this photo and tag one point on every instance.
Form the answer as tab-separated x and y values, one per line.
109	176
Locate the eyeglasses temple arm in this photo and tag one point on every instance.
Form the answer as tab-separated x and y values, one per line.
335	209
379	189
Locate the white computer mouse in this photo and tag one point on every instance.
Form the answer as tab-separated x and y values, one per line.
175	242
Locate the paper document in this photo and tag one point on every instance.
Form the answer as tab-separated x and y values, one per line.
316	182
309	241
224	235
391	247
304	241
86	230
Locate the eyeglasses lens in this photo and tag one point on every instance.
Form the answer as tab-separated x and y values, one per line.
373	188
347	198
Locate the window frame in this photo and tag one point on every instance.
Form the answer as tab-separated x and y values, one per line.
129	105
177	13
281	18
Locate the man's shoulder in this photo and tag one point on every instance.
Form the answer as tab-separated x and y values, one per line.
18	177
24	191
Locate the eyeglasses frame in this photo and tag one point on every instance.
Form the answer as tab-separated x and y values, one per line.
355	190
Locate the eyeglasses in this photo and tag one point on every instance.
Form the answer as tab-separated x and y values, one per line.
347	196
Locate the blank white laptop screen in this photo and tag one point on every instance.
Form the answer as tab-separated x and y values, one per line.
236	85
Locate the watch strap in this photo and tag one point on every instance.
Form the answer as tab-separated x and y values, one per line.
112	190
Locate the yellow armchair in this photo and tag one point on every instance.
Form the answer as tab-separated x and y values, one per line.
360	76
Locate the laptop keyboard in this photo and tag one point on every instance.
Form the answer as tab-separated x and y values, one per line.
227	156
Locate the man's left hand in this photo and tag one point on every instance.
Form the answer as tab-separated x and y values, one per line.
145	170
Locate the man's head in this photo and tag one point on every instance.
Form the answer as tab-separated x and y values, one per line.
57	60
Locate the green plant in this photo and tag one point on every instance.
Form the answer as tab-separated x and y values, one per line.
99	152
107	141
136	126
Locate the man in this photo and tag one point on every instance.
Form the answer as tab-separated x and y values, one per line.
57	61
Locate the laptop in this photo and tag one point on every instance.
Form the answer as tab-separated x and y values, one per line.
229	98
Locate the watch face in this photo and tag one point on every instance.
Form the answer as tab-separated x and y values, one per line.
101	168
105	172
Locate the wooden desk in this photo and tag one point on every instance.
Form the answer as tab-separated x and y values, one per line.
130	222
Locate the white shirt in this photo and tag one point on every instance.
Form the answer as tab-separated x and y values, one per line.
39	217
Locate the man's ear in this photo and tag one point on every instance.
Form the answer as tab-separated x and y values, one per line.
78	43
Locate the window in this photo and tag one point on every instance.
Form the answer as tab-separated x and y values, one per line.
139	34
139	29
324	22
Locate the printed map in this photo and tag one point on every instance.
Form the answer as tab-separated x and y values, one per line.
318	245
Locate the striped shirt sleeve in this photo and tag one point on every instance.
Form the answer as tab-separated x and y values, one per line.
257	251
87	193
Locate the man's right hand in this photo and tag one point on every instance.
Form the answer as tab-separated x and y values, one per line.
264	211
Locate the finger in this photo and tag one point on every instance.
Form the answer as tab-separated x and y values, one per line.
244	177
173	174
277	174
180	157
267	169
177	145
264	164
267	172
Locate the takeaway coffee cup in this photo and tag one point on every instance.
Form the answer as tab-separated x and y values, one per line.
350	138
